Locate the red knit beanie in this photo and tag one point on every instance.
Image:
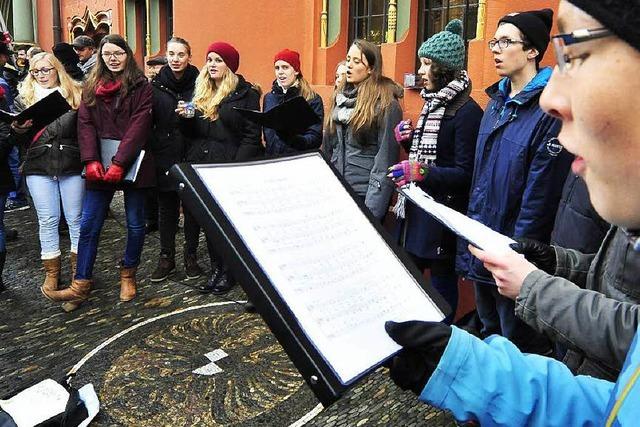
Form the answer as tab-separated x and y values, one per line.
291	57
228	53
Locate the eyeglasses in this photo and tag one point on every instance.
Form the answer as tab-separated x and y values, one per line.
43	71
116	55
502	43
562	40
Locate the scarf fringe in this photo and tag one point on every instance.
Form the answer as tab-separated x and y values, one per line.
399	208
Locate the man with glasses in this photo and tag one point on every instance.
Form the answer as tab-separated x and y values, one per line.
86	50
519	166
491	381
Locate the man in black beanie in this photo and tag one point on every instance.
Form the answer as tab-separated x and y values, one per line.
519	169
491	381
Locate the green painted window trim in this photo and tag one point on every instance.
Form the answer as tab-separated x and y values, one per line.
130	31
333	30
403	19
154	7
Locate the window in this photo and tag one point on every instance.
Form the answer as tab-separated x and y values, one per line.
369	20
435	14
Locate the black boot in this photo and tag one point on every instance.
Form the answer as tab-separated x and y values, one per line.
3	257
208	287
223	284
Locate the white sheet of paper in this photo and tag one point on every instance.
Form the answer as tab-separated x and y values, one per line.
332	268
36	404
479	234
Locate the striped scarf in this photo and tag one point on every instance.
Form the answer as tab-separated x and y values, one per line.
425	135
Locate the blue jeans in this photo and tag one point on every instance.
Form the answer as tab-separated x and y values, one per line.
46	192
498	316
94	210
14	165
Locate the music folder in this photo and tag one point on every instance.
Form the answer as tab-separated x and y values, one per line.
42	112
293	116
320	269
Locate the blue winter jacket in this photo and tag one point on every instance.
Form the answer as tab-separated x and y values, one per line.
520	168
492	382
278	144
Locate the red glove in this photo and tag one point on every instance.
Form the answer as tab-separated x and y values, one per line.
114	174
408	171
95	171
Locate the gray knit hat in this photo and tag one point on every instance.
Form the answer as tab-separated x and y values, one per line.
446	47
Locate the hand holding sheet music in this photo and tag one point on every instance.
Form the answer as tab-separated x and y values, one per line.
42	113
292	116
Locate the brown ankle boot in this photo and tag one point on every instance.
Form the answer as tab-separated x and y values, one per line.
73	260
127	283
52	274
76	293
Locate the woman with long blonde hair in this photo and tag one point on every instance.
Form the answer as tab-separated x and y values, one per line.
52	163
359	136
219	133
288	84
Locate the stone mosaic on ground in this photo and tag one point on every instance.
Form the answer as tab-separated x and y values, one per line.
146	376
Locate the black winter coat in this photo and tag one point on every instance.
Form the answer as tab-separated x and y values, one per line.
56	151
231	137
310	139
448	182
578	226
7	184
167	142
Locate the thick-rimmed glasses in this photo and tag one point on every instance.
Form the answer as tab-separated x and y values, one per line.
502	43
43	71
560	41
117	55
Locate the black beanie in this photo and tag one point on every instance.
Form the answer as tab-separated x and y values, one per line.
535	25
622	17
65	53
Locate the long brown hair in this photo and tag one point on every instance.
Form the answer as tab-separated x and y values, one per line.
101	73
375	93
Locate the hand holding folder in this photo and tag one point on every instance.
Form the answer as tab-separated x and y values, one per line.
292	117
42	113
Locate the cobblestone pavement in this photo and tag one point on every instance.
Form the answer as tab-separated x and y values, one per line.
144	376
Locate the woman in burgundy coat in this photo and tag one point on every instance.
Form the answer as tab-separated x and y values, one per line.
116	104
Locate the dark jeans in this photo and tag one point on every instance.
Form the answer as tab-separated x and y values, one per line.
444	280
151	206
498	316
14	165
168	217
94	210
3	239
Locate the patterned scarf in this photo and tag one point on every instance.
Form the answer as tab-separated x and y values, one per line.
425	135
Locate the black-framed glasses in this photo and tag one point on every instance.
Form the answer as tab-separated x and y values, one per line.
43	71
503	43
560	41
116	55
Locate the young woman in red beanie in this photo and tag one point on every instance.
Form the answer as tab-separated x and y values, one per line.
116	105
359	137
217	132
288	84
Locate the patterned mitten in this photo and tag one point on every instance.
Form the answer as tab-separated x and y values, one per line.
407	171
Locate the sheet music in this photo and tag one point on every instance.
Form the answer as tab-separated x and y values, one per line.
479	234
336	273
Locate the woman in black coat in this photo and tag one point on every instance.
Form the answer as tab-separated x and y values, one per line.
441	157
7	184
174	83
219	133
288	84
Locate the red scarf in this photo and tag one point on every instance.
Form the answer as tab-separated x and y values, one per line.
108	89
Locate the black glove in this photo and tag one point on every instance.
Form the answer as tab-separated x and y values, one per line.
423	345
540	254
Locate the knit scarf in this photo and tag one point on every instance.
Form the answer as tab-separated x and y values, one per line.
425	136
107	89
345	103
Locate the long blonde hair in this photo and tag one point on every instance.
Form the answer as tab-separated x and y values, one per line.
207	96
305	89
69	88
375	93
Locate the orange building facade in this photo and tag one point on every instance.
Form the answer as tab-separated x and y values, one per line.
319	29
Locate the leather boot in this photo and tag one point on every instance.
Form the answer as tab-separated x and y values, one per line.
3	257
52	274
127	283
73	261
75	294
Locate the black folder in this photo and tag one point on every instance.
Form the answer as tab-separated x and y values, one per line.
253	246
42	112
292	116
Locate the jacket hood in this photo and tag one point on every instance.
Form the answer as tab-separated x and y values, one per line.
500	90
167	79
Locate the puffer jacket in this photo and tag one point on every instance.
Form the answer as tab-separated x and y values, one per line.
310	139
519	170
363	158
231	137
167	142
56	151
592	307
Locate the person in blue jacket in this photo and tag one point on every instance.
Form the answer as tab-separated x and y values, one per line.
519	165
288	84
492	381
441	150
